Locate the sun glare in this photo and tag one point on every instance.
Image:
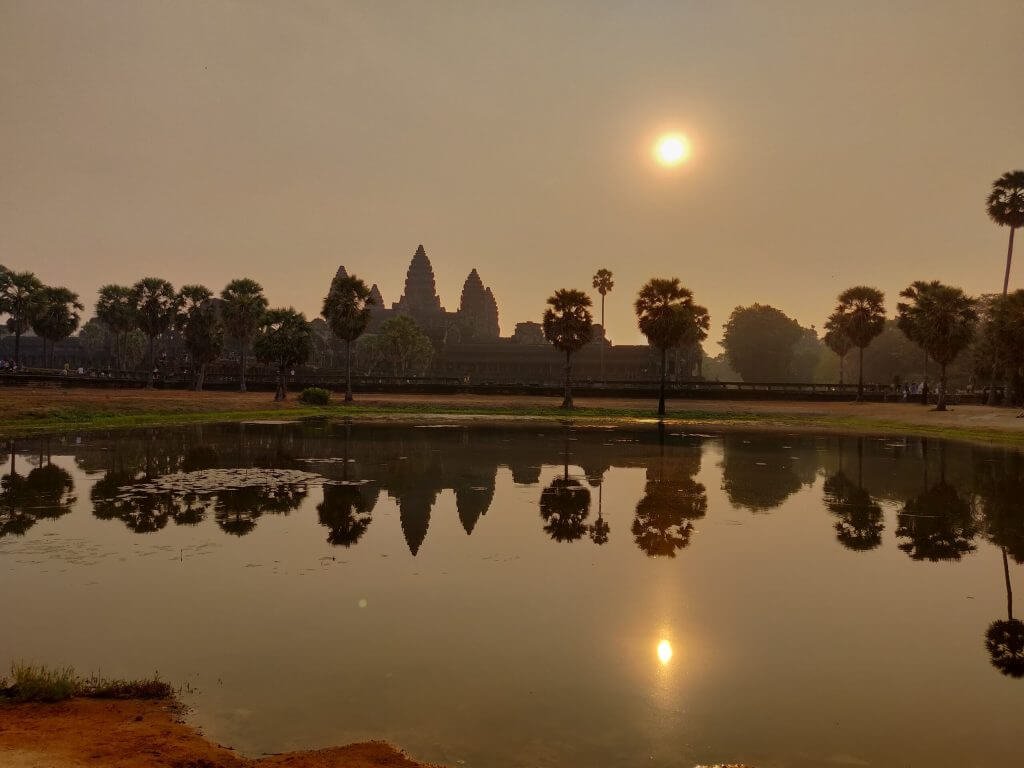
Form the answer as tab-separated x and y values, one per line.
664	652
672	149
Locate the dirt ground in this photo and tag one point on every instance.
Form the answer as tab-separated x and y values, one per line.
31	403
147	734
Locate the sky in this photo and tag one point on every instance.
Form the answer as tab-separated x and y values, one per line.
833	144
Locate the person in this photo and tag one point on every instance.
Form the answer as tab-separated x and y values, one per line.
924	393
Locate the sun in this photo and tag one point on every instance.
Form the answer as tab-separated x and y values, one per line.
671	149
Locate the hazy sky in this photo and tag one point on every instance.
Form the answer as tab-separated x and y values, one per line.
834	143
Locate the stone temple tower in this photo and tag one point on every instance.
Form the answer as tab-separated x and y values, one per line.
478	311
420	299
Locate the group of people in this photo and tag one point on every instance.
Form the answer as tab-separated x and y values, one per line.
8	366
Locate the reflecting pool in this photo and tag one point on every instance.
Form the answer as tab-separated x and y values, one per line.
536	595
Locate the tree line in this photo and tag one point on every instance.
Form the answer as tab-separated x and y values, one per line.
760	342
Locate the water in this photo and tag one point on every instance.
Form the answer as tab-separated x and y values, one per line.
534	596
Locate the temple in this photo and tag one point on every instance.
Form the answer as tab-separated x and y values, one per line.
469	345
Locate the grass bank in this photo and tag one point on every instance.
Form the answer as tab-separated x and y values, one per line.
26	411
37	683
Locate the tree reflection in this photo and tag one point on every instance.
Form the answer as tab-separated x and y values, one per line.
999	486
600	529
237	510
1004	640
757	475
672	500
46	493
860	523
938	523
346	511
564	505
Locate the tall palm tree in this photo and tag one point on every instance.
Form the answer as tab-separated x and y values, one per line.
17	290
116	310
940	319
347	311
56	314
664	311
244	306
861	312
603	283
1005	206
837	340
156	307
568	325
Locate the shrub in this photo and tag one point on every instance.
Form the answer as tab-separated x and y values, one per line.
315	396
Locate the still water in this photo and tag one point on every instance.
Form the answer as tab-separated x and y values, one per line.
535	596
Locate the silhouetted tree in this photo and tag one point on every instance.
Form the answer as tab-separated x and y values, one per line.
346	512
568	326
603	283
243	309
156	307
940	319
116	309
1002	336
17	294
347	311
939	523
664	310
759	342
672	500
861	315
283	340
204	338
56	313
564	506
1005	206
837	340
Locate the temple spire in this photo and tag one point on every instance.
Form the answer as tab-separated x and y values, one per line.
420	295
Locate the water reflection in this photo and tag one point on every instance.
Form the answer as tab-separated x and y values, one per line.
860	522
45	493
672	500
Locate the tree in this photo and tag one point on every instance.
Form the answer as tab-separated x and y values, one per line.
283	340
564	506
56	313
759	342
401	345
243	308
17	291
940	319
837	340
116	309
664	311
689	352
1002	335
603	283
1005	206
156	307
861	314
204	338
347	310
568	325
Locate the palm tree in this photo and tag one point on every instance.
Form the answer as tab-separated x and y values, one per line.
17	290
115	309
1005	206
664	311
56	314
603	283
244	305
861	313
1004	640
837	340
156	307
940	319
347	311
565	505
568	325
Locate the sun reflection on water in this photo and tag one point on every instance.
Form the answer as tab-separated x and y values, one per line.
664	652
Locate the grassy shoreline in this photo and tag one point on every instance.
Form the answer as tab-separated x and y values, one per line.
38	414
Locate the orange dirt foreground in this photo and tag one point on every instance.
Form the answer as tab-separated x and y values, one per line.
82	733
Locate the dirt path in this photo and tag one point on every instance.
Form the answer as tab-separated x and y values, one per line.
87	733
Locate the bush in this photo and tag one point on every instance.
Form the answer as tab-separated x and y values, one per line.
39	683
315	396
